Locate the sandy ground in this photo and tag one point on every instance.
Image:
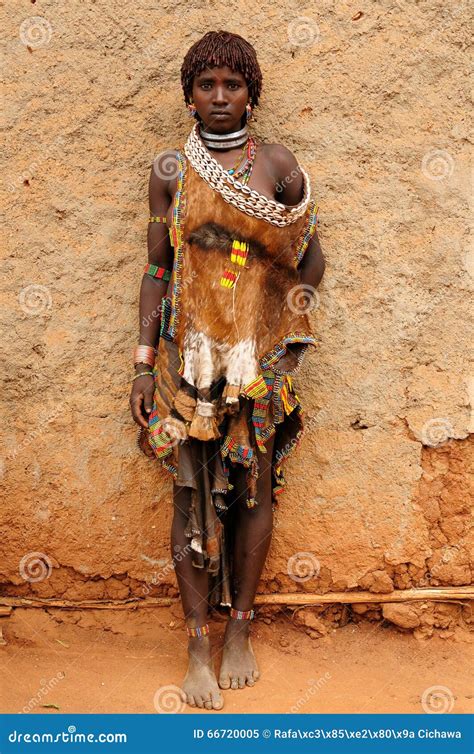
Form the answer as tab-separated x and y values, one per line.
98	661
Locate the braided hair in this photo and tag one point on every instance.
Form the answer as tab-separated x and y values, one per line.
219	48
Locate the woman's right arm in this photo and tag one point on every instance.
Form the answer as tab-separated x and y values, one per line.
152	291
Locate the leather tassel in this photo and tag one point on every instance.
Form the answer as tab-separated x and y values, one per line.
230	398
184	404
204	424
204	428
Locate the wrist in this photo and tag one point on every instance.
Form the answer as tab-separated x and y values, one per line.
144	355
143	368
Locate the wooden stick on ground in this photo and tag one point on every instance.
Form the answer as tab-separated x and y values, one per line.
438	594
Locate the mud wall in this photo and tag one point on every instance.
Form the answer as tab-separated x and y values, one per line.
374	103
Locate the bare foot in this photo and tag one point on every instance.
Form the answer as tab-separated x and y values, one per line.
239	666
200	687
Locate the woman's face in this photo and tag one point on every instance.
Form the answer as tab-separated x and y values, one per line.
216	91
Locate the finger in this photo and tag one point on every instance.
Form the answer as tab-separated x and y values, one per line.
149	400
137	414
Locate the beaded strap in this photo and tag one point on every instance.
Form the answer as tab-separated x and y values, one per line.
198	630
157	219
157	272
242	614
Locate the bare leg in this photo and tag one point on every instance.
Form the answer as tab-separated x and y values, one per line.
200	684
253	531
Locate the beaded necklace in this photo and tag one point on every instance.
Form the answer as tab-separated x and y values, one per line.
236	192
246	168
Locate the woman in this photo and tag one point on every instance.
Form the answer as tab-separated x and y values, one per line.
232	236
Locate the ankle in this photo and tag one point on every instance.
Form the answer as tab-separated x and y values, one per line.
199	647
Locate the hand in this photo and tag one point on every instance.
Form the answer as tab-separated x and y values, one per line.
141	397
289	361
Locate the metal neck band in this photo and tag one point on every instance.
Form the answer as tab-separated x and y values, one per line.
224	141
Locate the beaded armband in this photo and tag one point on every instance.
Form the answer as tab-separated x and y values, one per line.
157	219
157	272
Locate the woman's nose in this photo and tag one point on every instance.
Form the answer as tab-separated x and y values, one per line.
219	96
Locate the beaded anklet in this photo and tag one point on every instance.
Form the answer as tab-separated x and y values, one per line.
157	219
199	631
242	614
157	272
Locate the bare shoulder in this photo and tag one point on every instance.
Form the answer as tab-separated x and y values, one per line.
280	156
286	171
163	173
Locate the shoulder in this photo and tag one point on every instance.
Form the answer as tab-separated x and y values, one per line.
286	171
280	157
164	170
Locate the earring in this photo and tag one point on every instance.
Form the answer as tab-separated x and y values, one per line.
192	110
248	110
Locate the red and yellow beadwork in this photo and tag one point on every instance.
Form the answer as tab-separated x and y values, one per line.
238	257
198	631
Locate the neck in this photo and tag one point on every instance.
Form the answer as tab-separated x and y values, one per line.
224	141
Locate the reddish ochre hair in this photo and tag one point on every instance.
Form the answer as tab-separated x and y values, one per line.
219	48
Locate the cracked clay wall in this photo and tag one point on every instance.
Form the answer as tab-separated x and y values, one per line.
372	98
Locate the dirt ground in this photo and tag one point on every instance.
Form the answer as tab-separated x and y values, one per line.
124	661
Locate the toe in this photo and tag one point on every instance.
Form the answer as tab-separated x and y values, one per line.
250	680
199	701
224	682
217	700
208	705
256	674
191	701
241	682
234	684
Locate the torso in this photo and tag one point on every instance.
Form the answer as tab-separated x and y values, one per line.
262	177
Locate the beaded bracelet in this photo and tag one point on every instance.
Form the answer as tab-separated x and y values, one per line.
140	374
157	272
157	219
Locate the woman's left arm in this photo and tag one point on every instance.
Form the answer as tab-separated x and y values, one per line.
289	190
312	266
